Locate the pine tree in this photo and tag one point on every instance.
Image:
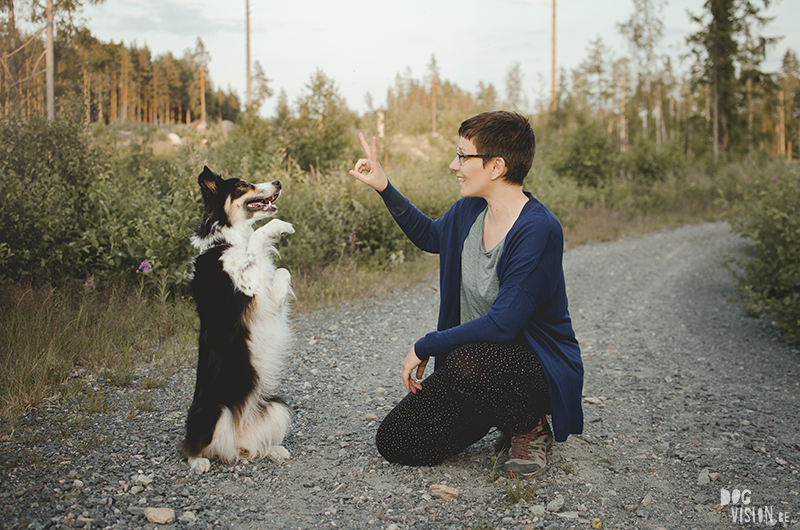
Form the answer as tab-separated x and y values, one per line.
718	51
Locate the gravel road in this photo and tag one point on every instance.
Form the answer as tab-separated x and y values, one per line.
685	396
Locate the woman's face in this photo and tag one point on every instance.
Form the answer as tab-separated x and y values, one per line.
473	179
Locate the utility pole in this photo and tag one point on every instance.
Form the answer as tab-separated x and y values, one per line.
50	67
553	102
249	83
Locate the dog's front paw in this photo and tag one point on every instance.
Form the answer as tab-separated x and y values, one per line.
199	465
278	454
281	228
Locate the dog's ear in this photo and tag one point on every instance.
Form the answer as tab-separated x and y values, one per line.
209	181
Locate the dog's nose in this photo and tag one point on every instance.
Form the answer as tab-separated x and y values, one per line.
276	183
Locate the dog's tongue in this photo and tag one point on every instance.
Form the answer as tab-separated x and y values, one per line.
259	205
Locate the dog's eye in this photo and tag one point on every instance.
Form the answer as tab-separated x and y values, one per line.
242	185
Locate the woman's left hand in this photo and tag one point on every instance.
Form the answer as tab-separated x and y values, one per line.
409	363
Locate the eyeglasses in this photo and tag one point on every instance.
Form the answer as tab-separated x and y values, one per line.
462	157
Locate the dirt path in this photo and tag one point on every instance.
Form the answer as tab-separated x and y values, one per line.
685	396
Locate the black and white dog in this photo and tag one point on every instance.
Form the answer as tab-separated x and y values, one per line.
244	332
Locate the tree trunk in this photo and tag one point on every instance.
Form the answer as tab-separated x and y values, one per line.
168	115
249	82
623	124
782	125
553	93
203	94
50	67
12	62
750	112
87	100
715	104
123	88
433	105
155	96
100	94
659	118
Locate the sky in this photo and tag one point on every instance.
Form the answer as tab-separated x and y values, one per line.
363	45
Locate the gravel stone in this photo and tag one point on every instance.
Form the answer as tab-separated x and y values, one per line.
159	515
556	504
674	367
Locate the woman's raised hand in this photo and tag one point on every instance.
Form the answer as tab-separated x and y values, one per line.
368	170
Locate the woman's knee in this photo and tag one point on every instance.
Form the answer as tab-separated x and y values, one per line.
464	364
398	448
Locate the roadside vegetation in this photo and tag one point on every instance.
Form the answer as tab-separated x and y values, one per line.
99	203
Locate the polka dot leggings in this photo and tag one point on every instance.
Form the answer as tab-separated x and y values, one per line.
480	386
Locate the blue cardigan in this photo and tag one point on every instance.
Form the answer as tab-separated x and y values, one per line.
530	307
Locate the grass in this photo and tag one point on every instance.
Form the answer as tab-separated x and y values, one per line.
121	376
326	287
155	381
517	491
495	474
598	225
48	335
143	403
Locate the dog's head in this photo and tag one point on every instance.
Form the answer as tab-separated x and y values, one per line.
234	202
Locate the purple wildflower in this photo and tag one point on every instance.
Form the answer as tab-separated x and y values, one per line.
352	237
144	267
90	283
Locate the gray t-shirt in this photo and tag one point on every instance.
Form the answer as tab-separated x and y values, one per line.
479	282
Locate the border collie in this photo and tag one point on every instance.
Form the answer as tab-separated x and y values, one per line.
244	333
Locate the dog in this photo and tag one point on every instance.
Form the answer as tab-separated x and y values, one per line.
244	331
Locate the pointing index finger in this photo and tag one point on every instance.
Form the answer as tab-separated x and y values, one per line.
364	145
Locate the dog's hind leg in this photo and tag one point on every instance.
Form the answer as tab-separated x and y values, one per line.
200	424
264	435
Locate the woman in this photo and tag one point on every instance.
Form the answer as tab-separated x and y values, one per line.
506	354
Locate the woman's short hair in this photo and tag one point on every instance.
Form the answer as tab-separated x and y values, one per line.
504	134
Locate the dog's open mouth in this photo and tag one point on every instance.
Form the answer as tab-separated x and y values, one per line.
262	204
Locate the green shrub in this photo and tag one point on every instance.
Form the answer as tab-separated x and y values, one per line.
649	163
561	195
45	169
587	156
77	206
769	217
335	215
253	150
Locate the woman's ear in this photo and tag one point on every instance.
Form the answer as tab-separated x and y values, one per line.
498	167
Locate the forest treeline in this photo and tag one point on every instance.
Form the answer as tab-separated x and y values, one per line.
724	103
630	133
111	82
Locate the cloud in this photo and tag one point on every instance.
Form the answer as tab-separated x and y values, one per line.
131	19
534	2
